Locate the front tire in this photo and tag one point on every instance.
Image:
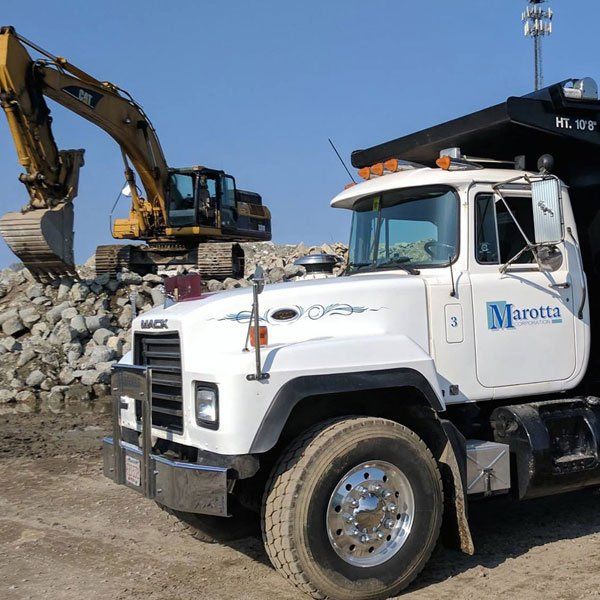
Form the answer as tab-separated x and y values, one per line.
217	530
353	509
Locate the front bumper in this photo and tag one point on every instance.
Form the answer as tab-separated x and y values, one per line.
188	487
184	486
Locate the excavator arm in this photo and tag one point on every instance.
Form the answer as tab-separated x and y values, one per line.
41	234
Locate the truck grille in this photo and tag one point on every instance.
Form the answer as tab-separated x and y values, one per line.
162	352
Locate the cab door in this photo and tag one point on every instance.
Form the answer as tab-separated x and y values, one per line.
524	318
228	202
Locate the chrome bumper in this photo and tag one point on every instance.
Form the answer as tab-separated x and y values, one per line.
179	485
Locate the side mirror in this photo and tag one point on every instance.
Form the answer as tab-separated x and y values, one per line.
549	258
258	279
547	211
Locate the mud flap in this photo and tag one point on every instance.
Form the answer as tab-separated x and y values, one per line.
454	457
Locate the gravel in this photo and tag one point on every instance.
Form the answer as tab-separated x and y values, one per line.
59	341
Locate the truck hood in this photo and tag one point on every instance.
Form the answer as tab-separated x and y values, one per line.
294	312
360	323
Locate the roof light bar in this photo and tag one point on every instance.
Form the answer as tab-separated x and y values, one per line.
392	165
451	159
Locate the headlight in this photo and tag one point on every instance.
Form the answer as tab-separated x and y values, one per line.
207	405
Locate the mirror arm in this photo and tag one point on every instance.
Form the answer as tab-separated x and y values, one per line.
504	267
512	216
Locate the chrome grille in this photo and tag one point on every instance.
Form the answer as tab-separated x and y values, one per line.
162	352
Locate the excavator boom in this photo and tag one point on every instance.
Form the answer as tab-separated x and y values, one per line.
190	216
42	233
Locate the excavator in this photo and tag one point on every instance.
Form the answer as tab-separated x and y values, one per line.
193	216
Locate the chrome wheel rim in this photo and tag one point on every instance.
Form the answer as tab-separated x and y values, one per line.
370	513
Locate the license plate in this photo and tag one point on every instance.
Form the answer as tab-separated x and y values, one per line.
132	471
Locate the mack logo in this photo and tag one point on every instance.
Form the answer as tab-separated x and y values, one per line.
504	315
88	97
154	324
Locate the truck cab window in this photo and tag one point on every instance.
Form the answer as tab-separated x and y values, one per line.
497	237
486	235
414	227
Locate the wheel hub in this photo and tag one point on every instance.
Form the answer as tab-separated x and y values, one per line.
370	513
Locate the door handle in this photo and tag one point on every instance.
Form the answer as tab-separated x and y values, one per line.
560	286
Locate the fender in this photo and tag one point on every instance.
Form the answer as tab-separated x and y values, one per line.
449	446
312	385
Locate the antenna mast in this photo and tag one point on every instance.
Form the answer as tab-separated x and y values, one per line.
537	22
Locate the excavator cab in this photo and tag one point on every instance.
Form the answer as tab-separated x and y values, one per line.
194	197
204	199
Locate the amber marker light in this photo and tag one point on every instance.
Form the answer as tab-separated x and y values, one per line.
263	334
364	173
391	165
444	162
377	170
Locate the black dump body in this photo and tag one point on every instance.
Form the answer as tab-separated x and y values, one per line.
544	122
539	123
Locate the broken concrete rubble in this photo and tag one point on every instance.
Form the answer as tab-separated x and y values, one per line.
59	341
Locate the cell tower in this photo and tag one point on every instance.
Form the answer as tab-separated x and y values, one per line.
537	22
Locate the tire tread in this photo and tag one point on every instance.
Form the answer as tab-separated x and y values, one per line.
280	497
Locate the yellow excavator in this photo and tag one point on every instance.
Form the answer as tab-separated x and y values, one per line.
191	216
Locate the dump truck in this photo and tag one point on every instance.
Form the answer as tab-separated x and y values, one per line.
454	360
193	216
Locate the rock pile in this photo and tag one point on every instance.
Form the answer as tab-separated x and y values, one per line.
59	341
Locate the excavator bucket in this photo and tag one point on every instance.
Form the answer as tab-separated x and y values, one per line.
42	239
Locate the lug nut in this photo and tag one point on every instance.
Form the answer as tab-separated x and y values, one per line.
387	494
392	507
349	518
354	503
376	488
389	523
365	539
360	489
380	535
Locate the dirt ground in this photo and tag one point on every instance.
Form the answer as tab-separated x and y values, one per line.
68	533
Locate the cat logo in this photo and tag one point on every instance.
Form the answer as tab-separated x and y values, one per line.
154	324
86	96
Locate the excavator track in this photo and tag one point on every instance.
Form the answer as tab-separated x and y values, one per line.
218	260
43	240
214	260
112	259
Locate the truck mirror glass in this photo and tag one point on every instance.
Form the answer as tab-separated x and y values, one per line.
547	213
549	258
258	279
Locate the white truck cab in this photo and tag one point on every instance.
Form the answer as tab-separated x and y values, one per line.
450	362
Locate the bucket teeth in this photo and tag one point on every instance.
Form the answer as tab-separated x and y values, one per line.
43	240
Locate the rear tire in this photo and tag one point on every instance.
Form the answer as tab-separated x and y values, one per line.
328	549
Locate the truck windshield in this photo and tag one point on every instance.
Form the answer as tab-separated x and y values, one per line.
408	228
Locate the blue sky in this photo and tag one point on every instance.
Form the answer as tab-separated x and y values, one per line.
257	87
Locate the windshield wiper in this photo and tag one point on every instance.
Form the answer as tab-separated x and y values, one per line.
398	263
358	266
